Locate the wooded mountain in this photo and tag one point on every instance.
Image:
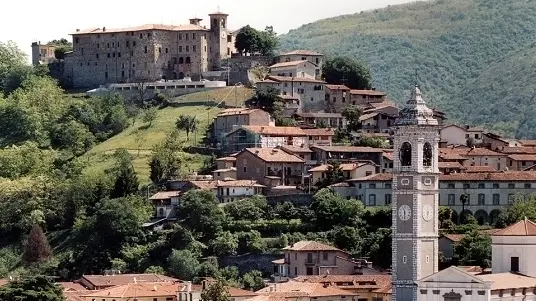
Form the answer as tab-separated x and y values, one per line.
474	59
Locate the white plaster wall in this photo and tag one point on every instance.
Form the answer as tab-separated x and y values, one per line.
453	135
505	247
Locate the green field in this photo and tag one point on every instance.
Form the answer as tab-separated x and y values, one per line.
139	139
230	96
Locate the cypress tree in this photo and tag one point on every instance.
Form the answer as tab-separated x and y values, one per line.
37	247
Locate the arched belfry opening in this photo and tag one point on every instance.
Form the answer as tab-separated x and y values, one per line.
405	154
427	154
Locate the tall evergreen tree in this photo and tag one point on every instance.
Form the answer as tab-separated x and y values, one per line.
126	181
37	248
35	288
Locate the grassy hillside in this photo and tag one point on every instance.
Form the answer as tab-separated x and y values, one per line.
473	58
231	96
139	139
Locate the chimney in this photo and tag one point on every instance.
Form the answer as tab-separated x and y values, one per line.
195	21
78	30
104	29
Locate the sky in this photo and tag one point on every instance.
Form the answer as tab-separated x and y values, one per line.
26	21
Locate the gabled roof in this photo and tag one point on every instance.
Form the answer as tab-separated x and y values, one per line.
454	237
273	155
367	92
239	111
308	245
506	281
296	149
517	150
528	142
302	52
283	79
320	115
337	87
164	195
348	149
447	275
450	165
227	159
319	132
272	130
113	280
132	290
344	167
480	169
350	281
296	289
524	227
185	27
290	64
523	157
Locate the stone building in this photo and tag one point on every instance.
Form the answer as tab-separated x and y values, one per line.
301	69
42	53
148	52
304	55
230	119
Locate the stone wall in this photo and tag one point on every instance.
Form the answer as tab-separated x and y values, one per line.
248	262
241	68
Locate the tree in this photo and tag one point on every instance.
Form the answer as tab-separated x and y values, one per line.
352	114
149	115
253	280
183	264
155	269
520	208
251	241
246	209
12	66
216	291
126	181
224	244
347	238
231	275
198	210
332	210
269	100
345	71
375	142
37	248
247	40
473	249
167	159
286	211
268	41
445	218
34	288
187	123
377	247
62	46
334	175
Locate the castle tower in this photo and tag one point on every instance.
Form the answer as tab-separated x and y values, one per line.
218	44
415	201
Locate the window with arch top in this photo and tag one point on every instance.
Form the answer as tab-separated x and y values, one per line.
405	154
427	154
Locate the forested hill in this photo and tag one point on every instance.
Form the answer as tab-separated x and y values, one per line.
474	59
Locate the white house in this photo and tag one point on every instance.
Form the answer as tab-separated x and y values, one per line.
307	92
304	55
298	69
458	135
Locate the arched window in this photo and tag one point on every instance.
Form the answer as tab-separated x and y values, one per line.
427	154
405	154
181	60
188	60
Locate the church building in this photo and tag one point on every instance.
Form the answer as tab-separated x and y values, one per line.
415	207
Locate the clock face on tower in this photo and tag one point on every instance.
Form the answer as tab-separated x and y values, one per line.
404	212
427	213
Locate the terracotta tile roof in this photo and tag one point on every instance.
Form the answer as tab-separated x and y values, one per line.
274	130
344	167
308	245
319	132
480	169
368	116
510	176
293	289
240	111
472	269
450	165
381	104
113	280
72	286
296	149
388	155
185	27
522	228
3	282
302	52
164	195
133	290
381	282
517	150
290	64
236	292
337	87
524	157
294	79
348	149
73	296
238	183
454	237
274	155
367	92
528	142
379	177
229	159
468	152
268	297
204	184
505	281
270	81
320	115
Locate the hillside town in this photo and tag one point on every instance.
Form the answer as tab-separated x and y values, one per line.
316	186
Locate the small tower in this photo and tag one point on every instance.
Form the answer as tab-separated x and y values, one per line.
219	43
415	202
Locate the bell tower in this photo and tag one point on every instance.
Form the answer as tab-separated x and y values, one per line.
218	43
415	201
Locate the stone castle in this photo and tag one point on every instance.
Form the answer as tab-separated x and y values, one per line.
149	52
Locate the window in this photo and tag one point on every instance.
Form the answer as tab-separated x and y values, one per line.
466	186
245	169
194	48
427	259
481	199
296	271
427	154
405	154
187	48
387	185
107	45
145	49
98	46
325	255
481	185
119	54
388	199
180	36
404	259
187	36
511	185
451	199
372	199
127	43
106	75
451	186
496	199
495	185
527	185
77	40
188	60
97	55
193	36
180	48
511	198
159	49
167	50
514	264
133	43
372	185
